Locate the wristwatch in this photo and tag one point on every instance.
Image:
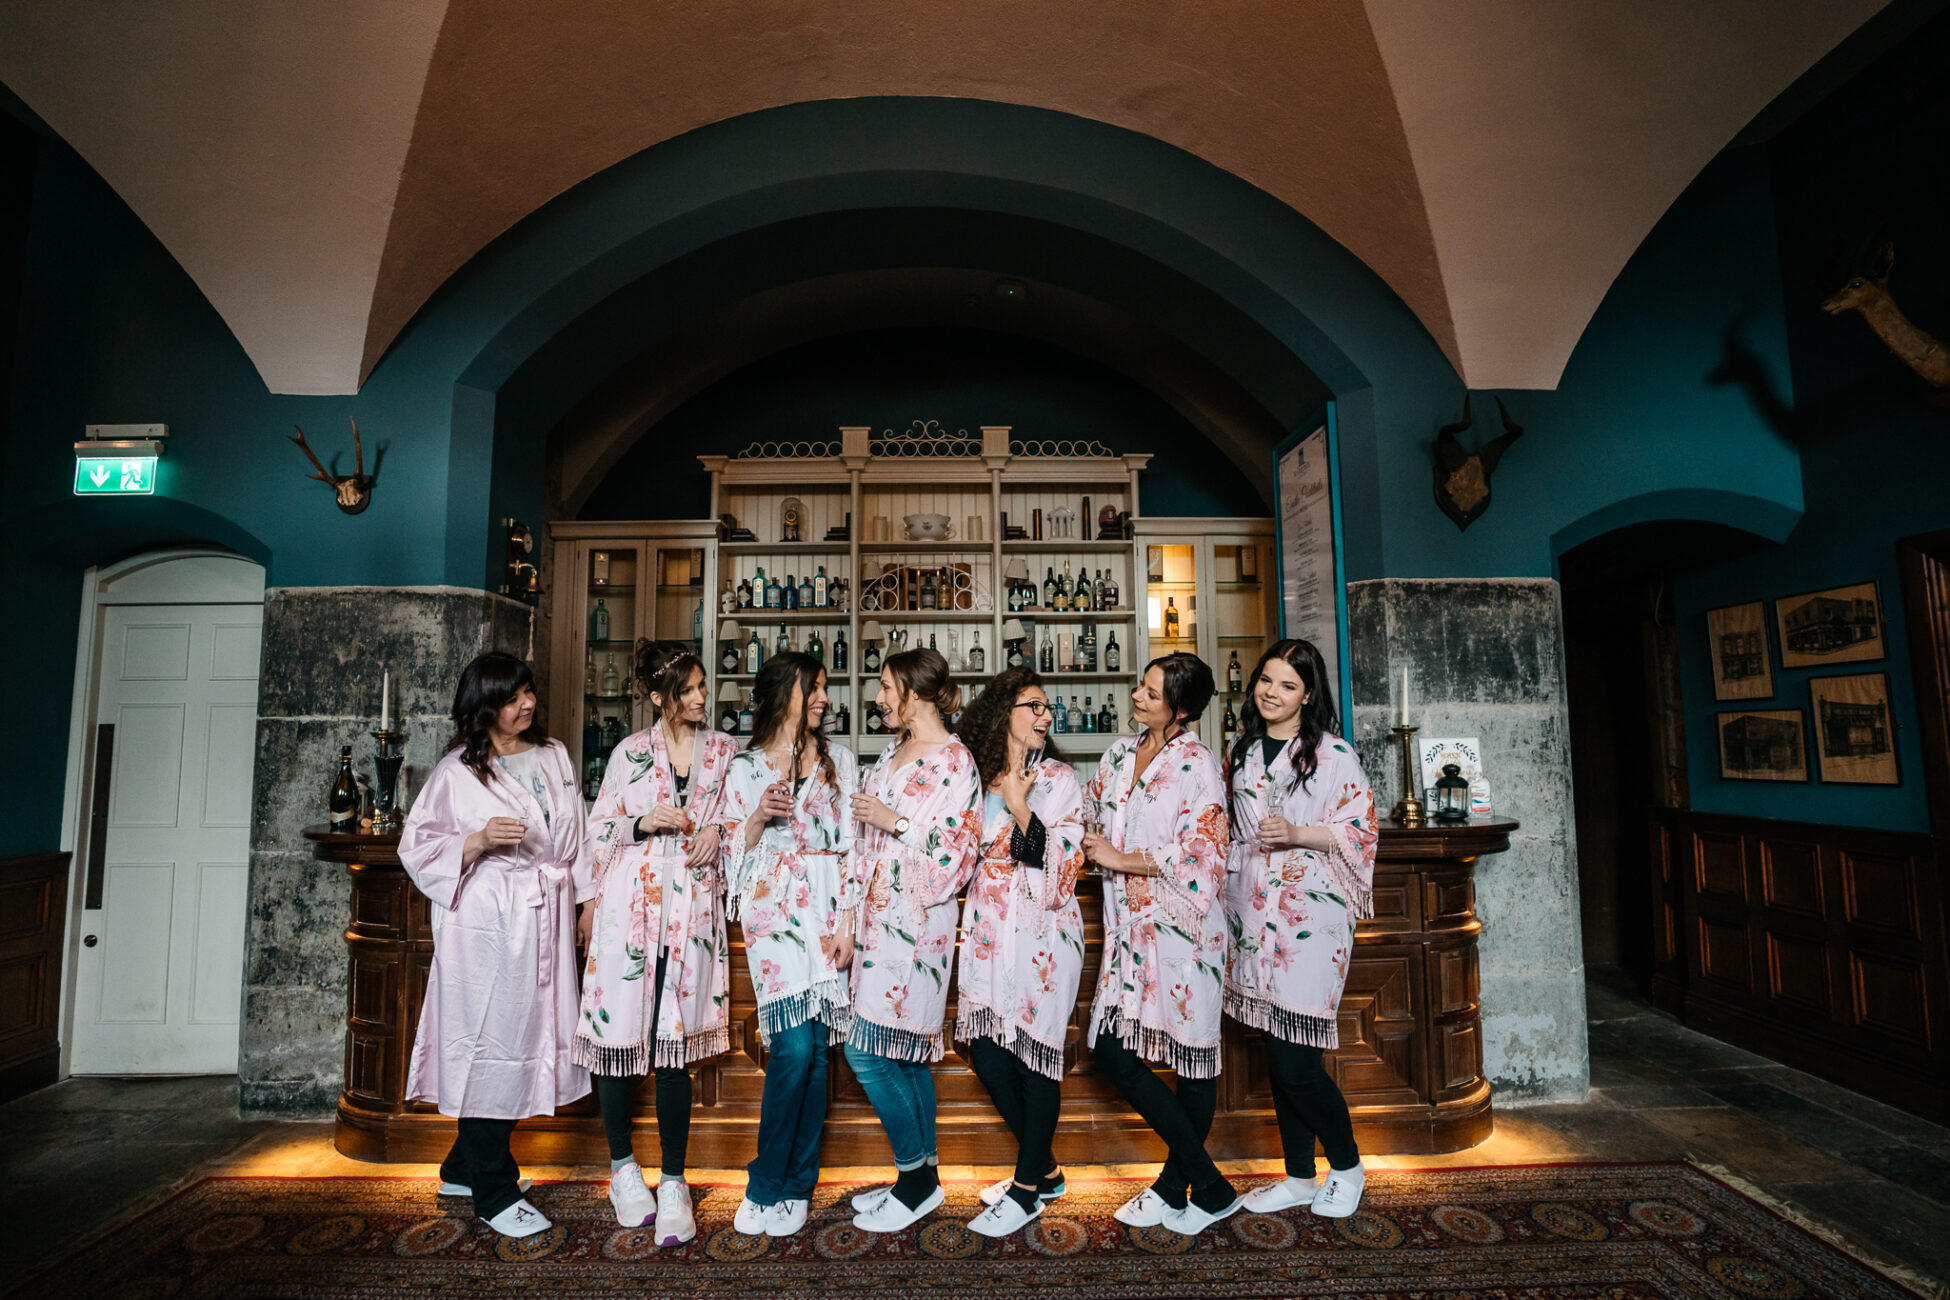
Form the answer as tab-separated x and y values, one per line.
900	825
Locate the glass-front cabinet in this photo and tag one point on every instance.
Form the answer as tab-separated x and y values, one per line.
1210	591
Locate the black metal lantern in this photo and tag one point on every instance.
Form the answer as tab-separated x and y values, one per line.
1451	795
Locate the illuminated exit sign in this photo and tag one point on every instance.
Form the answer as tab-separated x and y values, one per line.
108	476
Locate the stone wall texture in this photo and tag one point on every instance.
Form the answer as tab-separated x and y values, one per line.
1485	658
324	651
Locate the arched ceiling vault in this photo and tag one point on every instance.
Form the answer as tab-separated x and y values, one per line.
322	168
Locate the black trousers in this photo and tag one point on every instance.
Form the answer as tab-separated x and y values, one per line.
1182	1119
1027	1101
480	1159
616	1094
1308	1104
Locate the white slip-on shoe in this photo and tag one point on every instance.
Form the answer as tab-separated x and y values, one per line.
787	1217
1145	1210
676	1223
1340	1195
462	1189
994	1192
891	1215
1192	1220
1283	1195
1004	1217
750	1218
864	1201
520	1220
630	1198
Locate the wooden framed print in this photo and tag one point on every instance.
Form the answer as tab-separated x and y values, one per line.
1855	739
1763	745
1736	637
1842	625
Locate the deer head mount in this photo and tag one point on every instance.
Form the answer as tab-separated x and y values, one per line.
1462	478
354	490
1869	294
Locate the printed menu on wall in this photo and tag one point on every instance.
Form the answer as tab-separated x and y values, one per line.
1310	571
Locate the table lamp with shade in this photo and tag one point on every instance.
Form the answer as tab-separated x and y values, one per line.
1016	573
728	654
871	636
729	698
1013	633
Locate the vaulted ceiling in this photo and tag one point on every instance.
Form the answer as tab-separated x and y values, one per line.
322	167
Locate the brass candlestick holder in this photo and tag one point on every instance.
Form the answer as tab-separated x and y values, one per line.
386	812
1409	810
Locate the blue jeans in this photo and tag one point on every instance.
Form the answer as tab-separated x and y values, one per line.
902	1093
791	1116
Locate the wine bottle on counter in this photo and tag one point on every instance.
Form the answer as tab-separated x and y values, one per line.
344	801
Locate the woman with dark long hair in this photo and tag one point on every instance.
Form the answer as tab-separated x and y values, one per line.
657	981
1157	803
497	842
1022	935
787	826
1301	873
913	851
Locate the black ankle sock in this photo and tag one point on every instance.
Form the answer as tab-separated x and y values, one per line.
1214	1197
1024	1196
1049	1182
916	1185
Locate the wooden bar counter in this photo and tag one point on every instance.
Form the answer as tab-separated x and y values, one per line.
1410	1060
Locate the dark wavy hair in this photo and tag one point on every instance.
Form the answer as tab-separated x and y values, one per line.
772	698
486	686
1317	715
922	674
663	668
984	725
1188	684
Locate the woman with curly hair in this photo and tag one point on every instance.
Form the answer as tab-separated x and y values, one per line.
658	982
1157	806
1022	935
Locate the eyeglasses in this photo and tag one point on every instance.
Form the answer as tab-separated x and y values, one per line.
1037	707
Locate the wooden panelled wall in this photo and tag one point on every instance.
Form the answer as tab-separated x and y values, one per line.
1820	946
33	909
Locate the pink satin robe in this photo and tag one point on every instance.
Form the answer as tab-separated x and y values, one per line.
500	1009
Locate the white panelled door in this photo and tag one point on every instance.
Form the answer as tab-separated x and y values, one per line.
160	971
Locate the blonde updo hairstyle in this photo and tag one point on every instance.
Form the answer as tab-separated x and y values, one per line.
923	675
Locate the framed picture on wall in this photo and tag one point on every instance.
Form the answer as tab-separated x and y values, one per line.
1855	739
1736	637
1763	745
1842	625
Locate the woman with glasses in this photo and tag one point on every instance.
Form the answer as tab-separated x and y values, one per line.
1022	935
1157	802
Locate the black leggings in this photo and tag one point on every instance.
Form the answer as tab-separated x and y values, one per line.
616	1094
1308	1104
1027	1101
480	1159
1182	1119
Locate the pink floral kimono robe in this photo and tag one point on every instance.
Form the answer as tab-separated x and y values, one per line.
789	890
1292	913
1022	932
648	899
500	1007
1161	985
904	947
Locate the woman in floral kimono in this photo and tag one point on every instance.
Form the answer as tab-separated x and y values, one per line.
787	826
1301	874
497	843
1022	935
657	985
915	848
1157	809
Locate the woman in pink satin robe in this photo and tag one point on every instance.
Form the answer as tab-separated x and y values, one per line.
498	843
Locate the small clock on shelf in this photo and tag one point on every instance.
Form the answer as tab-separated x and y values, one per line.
792	520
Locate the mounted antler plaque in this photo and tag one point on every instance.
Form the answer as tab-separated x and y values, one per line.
354	490
1462	478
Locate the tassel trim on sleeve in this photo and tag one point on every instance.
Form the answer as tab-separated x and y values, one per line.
1283	1023
975	1022
1357	890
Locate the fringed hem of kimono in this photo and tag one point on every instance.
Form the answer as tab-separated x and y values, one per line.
1159	1047
826	1001
636	1059
896	1044
1287	1025
982	1022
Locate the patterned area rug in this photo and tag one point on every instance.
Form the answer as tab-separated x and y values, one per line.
1553	1232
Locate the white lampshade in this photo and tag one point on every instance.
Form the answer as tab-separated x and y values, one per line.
728	630
729	692
871	631
1017	570
1013	631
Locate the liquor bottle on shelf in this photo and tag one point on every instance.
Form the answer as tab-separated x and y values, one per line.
744	593
842	721
728	598
839	651
774	594
1107	587
806	592
612	684
1080	601
1049	587
978	659
815	647
1228	728
837	593
745	717
1067	585
871	659
343	801
729	660
1107	718
612	732
1087	648
820	588
1113	657
592	734
1076	718
1171	618
930	590
599	622
1014	657
697	624
759	590
589	675
728	717
782	643
874	725
1089	716
1233	676
954	650
1046	656
1061	725
789	595
754	653
931	645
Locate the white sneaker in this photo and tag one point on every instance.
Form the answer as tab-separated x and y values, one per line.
994	1192
864	1201
1004	1217
462	1189
787	1217
891	1215
520	1220
676	1224
1283	1195
632	1200
1145	1210
1340	1195
750	1218
1192	1220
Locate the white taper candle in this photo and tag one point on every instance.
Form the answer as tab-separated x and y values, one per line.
386	701
1404	695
